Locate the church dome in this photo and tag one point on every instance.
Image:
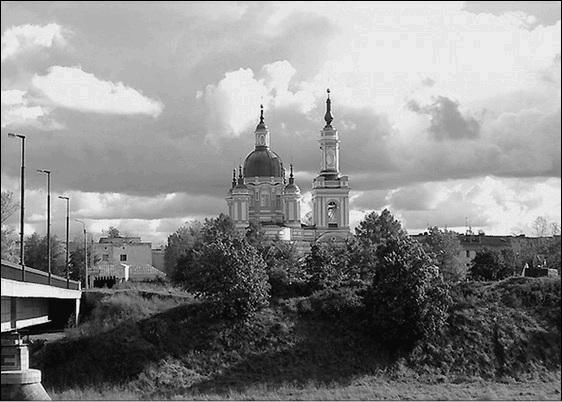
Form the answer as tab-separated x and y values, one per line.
263	162
292	188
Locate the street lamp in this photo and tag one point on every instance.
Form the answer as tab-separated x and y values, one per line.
67	213
48	173
85	250
22	175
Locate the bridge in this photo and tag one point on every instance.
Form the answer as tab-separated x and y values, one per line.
31	298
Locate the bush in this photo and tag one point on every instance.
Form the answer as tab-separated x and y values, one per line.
492	265
407	300
231	274
338	304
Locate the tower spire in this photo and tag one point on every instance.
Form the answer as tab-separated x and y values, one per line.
233	178
262	122
240	177
291	177
328	116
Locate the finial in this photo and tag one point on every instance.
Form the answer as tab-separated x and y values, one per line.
233	177
240	177
291	177
261	114
328	116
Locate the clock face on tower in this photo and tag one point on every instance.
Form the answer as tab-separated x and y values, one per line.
261	139
330	158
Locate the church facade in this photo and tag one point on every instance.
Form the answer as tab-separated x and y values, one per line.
261	192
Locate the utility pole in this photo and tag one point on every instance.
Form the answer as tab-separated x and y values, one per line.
22	185
48	173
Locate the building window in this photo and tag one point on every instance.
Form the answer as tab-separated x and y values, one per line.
467	253
278	201
264	200
332	225
123	257
105	257
332	216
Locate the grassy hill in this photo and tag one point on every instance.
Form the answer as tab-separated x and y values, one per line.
161	344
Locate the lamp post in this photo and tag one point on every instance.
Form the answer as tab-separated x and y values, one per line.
22	175
85	251
48	173
67	214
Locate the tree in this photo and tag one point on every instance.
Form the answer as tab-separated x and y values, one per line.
76	263
374	230
231	274
377	229
179	243
36	254
8	238
219	227
8	205
331	265
540	226
492	265
113	232
445	248
407	300
192	238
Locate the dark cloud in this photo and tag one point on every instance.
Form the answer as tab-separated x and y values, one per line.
428	82
369	200
415	198
546	12
447	122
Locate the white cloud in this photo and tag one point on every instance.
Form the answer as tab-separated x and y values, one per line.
233	102
72	88
21	38
18	111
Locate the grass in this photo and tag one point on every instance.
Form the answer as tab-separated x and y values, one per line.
502	341
363	388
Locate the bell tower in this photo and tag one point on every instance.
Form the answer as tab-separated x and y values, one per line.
330	190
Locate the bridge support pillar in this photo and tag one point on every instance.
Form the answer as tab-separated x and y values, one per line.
19	382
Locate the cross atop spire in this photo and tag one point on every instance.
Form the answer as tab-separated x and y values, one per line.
261	123
328	116
291	177
240	177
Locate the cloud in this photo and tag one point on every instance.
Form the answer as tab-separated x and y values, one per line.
23	38
72	88
447	122
233	103
17	111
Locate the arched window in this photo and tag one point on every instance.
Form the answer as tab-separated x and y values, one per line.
332	214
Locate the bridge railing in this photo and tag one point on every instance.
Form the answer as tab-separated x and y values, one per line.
13	271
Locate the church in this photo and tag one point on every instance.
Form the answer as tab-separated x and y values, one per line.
262	194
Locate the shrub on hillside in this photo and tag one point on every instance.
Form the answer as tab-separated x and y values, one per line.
231	274
510	327
330	265
492	265
445	248
407	300
337	304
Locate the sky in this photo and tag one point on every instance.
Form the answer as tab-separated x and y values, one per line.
448	112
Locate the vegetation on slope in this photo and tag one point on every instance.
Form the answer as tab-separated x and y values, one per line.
494	329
